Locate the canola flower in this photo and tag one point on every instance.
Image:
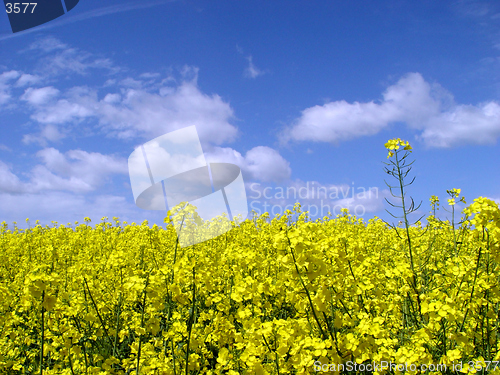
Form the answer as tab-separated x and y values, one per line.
271	296
393	144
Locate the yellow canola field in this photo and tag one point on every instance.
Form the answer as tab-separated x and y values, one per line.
268	296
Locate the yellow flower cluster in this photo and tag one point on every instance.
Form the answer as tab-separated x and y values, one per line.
454	193
394	144
270	296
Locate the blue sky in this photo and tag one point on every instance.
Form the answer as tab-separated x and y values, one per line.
298	94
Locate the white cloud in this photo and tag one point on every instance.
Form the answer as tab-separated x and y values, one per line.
261	163
339	121
28	79
132	113
130	82
425	107
112	98
44	179
151	115
49	133
252	71
466	124
9	182
5	79
87	169
76	171
266	164
189	74
74	61
39	96
141	113
7	76
65	207
63	111
47	44
57	58
150	75
145	107
65	187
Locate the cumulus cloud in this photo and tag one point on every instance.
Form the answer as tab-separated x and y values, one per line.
339	121
426	107
39	96
266	164
261	163
465	124
138	112
63	111
67	187
90	167
49	133
146	106
76	171
9	182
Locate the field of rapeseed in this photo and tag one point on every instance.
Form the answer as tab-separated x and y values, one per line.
271	296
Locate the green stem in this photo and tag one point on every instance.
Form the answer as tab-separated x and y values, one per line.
176	245
472	291
407	227
43	333
117	324
275	353
307	291
97	311
190	321
142	325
